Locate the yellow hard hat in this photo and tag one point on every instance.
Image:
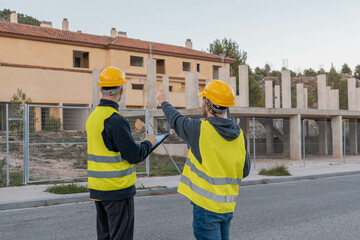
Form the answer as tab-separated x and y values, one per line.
112	77
219	93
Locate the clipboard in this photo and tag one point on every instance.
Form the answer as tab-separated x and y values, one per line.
159	140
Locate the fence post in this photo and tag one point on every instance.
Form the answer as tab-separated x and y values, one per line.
303	139
146	134
344	142
7	146
26	143
254	148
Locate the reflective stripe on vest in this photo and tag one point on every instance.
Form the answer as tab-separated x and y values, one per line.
207	194
111	174
214	183
107	170
104	159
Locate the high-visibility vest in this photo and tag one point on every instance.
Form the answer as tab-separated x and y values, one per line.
214	184
107	171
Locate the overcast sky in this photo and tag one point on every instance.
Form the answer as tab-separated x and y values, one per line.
308	33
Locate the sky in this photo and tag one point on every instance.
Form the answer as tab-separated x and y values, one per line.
308	33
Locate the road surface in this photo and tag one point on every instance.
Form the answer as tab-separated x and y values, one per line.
314	209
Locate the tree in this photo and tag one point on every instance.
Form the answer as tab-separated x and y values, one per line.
230	49
310	73
357	72
22	18
333	78
345	69
256	97
17	111
267	69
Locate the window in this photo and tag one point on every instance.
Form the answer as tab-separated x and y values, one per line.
198	67
216	72
136	61
44	116
170	88
137	86
186	66
80	59
160	66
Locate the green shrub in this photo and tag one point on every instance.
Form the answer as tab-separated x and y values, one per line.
67	189
280	170
53	124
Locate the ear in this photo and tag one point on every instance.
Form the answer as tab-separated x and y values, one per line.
121	91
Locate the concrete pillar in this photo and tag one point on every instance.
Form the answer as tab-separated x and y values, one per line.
333	99
166	86
37	116
352	94
277	96
244	86
286	137
353	136
268	94
244	125
321	88
358	99
269	137
306	105
323	137
122	102
337	144
295	137
96	89
286	88
232	83
151	84
223	74
328	91
61	115
191	90
300	96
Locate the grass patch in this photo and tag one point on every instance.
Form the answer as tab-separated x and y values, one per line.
67	189
149	188
161	165
280	170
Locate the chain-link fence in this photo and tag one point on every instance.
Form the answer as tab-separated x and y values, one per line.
56	143
11	144
48	143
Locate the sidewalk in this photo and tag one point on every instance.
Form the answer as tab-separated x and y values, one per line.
35	195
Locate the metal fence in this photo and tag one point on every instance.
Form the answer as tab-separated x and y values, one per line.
48	143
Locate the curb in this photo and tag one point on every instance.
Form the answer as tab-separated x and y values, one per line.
84	197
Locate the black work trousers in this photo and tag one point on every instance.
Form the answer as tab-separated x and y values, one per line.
115	219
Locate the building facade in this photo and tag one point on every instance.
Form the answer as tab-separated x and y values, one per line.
55	66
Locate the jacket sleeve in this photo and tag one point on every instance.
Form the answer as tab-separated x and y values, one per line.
247	164
186	128
119	133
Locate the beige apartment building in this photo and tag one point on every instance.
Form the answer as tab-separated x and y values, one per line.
55	66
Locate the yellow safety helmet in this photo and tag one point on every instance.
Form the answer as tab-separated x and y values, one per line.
219	93
112	77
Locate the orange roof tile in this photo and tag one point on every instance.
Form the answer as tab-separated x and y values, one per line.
17	30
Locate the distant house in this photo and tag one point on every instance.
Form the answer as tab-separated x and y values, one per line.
54	67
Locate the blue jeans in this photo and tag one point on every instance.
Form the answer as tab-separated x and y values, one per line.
209	225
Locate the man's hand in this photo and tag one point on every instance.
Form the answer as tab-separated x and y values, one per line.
162	97
151	138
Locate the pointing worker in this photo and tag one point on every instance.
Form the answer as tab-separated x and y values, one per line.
112	153
216	163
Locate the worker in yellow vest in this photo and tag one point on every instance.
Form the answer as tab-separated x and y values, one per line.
112	153
216	162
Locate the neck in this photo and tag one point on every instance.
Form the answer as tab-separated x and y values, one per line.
216	115
111	98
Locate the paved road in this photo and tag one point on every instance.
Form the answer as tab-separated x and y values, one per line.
315	209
